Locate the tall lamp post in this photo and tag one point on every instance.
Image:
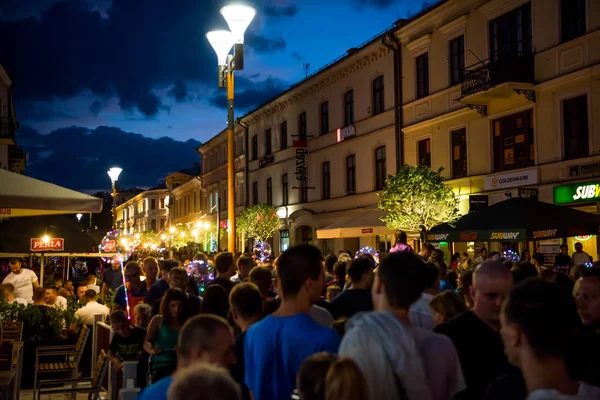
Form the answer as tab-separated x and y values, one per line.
238	17
113	174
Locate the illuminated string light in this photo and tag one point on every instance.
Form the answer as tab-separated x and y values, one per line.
511	256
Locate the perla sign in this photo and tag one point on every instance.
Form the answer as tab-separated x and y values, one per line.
577	193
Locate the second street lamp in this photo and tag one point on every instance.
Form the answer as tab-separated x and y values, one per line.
238	18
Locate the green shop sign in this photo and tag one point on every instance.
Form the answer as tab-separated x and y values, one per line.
577	193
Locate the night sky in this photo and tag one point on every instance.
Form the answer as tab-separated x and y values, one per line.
145	66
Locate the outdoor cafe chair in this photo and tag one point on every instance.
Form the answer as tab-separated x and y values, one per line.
12	331
62	359
95	382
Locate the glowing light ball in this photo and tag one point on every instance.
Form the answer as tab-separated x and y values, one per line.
370	251
262	250
511	256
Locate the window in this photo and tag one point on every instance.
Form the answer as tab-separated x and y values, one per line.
254	193
195	206
575	127
424	151
513	141
349	108
423	75
457	60
153	225
270	191
283	143
572	19
510	35
254	147
284	239
378	104
153	204
302	125
324	118
162	202
326	179
351	174
163	222
268	149
459	152
380	171
284	190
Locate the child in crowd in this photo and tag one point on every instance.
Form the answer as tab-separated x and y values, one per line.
142	314
127	345
446	306
332	291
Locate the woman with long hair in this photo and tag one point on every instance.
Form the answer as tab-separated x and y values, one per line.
163	333
401	243
325	376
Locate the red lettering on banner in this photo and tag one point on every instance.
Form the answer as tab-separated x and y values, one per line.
38	244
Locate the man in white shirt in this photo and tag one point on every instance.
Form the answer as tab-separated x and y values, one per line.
534	308
92	283
580	257
420	313
23	280
54	300
9	292
92	307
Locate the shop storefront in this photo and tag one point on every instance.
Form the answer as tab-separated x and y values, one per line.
584	197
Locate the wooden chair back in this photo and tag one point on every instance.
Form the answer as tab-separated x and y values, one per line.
6	356
100	370
80	345
12	331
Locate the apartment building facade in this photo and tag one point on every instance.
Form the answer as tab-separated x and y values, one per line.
185	196
146	211
321	151
214	182
12	156
502	94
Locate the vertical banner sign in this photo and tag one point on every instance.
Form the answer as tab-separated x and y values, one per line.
301	170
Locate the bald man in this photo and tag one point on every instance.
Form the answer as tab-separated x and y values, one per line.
475	333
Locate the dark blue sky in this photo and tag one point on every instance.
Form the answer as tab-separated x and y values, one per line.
145	66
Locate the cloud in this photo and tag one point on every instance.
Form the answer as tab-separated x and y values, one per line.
123	50
263	44
377	4
96	107
43	111
296	56
278	12
251	94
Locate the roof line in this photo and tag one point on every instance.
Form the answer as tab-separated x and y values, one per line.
394	27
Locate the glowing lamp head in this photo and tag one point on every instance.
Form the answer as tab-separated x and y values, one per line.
182	234
195	232
206	225
114	173
281	213
46	239
79	217
172	229
221	42
163	236
238	18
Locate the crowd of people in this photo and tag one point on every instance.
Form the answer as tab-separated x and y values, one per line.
312	327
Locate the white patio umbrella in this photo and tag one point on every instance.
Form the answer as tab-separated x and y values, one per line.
22	196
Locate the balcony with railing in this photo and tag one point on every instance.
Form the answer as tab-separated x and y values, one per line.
7	130
500	78
18	159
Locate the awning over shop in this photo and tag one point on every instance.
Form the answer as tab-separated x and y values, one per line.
518	220
367	223
22	196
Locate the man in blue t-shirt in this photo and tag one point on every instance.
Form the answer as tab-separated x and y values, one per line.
203	338
275	347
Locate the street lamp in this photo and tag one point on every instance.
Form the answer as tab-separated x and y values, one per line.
113	174
238	18
79	217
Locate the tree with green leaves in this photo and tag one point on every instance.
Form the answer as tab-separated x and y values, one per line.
417	199
258	222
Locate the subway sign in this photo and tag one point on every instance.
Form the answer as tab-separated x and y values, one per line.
577	193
